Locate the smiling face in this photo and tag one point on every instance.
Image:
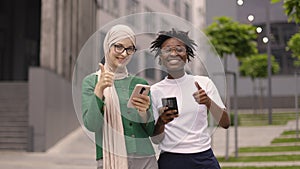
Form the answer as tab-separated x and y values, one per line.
117	58
173	55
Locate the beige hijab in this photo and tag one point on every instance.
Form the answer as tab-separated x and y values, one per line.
114	148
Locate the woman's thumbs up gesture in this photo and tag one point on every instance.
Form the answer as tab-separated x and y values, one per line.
106	80
201	97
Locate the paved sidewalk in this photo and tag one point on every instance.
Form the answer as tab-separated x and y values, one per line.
77	151
253	136
248	136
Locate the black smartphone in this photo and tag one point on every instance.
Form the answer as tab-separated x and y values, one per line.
171	103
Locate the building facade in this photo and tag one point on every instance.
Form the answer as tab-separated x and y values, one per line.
40	42
281	31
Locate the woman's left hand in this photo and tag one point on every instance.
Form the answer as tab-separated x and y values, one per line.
141	103
201	97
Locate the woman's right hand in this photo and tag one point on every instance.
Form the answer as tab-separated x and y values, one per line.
106	80
166	116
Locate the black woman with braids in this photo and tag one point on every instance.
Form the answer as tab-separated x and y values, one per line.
182	134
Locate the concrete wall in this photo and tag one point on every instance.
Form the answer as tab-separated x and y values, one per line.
258	9
217	8
51	110
65	27
283	89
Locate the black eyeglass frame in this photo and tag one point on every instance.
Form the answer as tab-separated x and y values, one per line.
120	45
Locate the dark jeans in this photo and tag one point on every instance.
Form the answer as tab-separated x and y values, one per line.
202	160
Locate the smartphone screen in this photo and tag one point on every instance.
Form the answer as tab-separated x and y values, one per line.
171	103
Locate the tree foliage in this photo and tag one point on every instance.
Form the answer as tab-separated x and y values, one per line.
256	66
294	46
292	10
230	37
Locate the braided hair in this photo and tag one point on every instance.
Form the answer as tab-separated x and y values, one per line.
180	35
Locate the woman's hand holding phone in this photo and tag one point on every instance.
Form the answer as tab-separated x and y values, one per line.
167	115
139	98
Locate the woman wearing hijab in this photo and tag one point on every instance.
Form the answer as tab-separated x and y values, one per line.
121	133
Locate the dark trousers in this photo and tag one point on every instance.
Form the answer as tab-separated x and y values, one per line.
202	160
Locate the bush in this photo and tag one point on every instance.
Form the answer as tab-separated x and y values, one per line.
232	119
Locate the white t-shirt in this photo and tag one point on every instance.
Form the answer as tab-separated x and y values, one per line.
188	132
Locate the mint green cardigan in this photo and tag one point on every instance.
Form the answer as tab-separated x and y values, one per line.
136	132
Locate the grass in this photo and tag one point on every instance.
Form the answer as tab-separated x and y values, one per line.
273	167
261	119
290	132
269	149
261	158
285	140
274	158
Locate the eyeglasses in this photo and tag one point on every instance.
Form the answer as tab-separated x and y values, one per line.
181	50
120	49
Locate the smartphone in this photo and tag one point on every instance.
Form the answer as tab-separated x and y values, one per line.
171	103
138	90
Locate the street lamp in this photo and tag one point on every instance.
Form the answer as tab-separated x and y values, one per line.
266	40
251	17
269	61
259	29
240	2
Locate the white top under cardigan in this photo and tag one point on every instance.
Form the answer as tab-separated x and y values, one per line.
186	133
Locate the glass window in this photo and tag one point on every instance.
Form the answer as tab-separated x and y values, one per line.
101	50
132	65
164	24
177	7
281	33
115	7
150	24
132	7
275	36
109	6
149	71
165	2
187	12
100	3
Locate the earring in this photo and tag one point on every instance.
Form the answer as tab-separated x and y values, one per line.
159	61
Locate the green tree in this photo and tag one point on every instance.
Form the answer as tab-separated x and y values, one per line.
291	9
230	37
294	46
256	66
